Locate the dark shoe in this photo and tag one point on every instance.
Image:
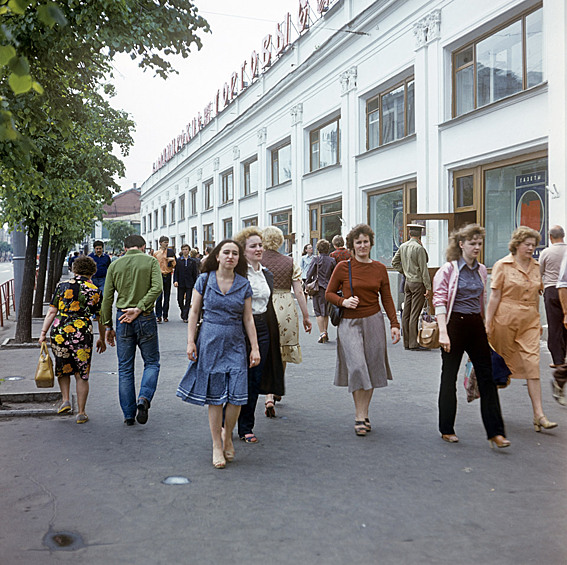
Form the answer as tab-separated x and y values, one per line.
249	438
165	320
129	421
420	349
158	320
143	407
184	320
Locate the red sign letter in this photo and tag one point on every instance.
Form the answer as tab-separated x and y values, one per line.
303	18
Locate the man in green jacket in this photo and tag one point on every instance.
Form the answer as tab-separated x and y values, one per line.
136	277
411	260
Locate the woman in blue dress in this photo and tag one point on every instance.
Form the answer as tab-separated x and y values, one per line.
218	367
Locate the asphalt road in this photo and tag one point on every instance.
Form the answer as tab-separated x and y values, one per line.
309	492
6	272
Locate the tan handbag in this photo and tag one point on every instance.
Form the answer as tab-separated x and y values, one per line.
428	334
44	377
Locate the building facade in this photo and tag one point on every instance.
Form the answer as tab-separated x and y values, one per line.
384	112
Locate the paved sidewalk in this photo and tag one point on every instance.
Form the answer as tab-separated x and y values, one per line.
309	492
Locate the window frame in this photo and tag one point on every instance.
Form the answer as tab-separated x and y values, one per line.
225	223
317	130
172	212
208	241
289	238
208	195
194	237
227	193
193	201
182	210
164	216
247	185
249	222
274	151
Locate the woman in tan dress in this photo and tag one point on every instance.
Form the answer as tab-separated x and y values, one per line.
512	317
287	275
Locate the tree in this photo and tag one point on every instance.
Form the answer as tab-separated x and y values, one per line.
66	135
118	232
5	247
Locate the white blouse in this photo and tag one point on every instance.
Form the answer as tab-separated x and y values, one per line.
260	289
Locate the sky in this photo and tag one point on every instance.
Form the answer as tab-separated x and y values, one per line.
161	108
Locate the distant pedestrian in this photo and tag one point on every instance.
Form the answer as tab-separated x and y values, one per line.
560	373
287	275
321	269
459	298
341	253
71	260
70	314
305	263
137	279
411	260
102	261
549	265
217	372
512	316
195	255
184	277
362	358
166	260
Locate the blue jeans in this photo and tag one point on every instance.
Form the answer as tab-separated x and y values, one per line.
142	332
99	281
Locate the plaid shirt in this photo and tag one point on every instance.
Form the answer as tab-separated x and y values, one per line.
341	254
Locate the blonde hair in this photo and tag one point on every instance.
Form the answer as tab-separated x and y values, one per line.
244	234
519	235
464	233
273	238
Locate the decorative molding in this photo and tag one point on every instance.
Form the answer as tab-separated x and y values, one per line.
199	174
427	29
348	80
296	114
235	153
176	189
216	164
262	135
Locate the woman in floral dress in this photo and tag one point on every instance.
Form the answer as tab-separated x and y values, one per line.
70	314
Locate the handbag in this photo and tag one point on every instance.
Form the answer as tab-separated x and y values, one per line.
336	312
471	384
44	377
200	322
428	334
312	288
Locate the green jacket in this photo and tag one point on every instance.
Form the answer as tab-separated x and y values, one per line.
411	260
137	279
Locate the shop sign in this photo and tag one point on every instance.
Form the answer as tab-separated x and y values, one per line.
531	205
273	46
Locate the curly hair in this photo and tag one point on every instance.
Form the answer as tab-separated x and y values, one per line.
464	233
323	246
244	234
273	238
519	235
211	263
356	232
84	266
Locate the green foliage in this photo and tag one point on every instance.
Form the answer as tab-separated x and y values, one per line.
5	247
118	231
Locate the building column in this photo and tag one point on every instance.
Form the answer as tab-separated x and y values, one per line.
555	54
236	189
300	219
264	172
217	199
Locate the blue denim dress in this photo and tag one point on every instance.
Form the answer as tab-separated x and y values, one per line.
220	373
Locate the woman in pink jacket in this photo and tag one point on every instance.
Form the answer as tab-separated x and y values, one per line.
459	297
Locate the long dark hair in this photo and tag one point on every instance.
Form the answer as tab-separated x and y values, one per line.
211	263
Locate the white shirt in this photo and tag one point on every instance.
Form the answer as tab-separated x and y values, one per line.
260	289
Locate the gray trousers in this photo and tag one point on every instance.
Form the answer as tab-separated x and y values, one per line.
413	304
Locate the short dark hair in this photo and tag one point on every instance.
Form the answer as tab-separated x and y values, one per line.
211	263
356	232
84	266
98	243
163	238
134	240
185	245
338	241
323	246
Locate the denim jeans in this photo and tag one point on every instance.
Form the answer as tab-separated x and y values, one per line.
162	302
142	332
99	281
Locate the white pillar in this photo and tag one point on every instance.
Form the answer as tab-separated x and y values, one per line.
264	172
236	189
300	214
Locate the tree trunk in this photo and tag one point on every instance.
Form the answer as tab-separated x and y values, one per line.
58	272
24	323
50	287
40	283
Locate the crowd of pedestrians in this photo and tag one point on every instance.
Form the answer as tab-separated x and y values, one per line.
243	324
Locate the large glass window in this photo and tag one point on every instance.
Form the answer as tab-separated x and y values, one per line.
208	195
283	221
156	219
281	164
193	196
227	187
163	216
182	207
227	228
194	237
250	222
208	236
501	64
324	143
391	115
172	212
386	218
250	177
325	220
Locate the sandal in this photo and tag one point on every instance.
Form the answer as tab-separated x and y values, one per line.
82	418
360	428
64	408
270	410
323	338
218	462
367	424
249	438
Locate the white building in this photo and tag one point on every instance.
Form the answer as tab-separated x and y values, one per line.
446	111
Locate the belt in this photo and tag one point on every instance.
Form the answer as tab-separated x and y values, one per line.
262	316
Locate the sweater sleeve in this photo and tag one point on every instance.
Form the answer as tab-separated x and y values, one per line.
336	284
387	300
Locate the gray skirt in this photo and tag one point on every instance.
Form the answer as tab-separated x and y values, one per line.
362	357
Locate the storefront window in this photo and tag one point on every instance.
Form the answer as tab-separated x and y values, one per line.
386	217
515	195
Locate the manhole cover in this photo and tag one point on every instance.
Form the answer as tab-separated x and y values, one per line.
63	541
176	481
13	378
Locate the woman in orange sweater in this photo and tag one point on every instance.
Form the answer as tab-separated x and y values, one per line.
362	359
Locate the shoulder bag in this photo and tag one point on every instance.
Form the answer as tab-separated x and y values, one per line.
428	334
200	322
312	288
44	377
336	312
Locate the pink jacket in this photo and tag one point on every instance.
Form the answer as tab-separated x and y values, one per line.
445	286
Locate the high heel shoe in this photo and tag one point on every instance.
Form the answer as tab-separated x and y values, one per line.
270	410
450	438
499	441
544	423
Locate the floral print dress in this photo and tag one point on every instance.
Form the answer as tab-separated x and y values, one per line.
77	301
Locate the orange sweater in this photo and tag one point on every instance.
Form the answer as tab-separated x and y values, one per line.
369	280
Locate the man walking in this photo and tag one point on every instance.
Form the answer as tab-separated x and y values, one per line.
549	265
411	260
340	253
137	280
184	277
102	261
166	260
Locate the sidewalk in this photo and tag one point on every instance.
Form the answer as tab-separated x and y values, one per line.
309	492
